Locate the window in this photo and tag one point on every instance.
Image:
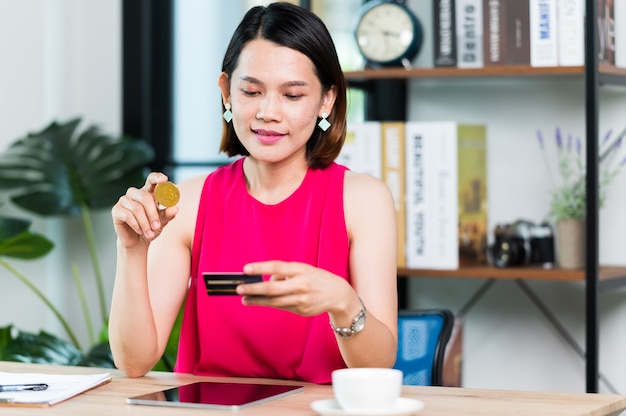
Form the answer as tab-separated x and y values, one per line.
173	50
202	30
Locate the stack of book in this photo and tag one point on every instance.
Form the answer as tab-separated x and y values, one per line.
539	33
437	175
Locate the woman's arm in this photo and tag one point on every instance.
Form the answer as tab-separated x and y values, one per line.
152	274
372	229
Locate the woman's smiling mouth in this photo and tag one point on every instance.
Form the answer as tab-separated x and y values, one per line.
268	136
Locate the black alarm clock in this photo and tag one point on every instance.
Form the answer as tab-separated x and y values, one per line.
388	33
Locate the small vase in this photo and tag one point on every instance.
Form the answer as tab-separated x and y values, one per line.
570	244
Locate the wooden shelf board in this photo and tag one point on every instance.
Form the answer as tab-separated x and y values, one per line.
527	273
608	69
492	71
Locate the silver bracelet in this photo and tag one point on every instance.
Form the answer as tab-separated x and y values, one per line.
358	323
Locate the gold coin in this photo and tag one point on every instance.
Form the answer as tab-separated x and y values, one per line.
167	194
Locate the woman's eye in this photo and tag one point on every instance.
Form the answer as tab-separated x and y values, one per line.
293	96
250	93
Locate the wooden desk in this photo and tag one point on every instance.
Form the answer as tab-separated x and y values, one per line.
110	399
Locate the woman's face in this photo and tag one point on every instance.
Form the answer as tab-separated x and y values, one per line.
276	99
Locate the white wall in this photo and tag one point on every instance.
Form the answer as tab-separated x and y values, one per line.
61	59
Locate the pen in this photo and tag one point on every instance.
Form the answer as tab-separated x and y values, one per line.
23	387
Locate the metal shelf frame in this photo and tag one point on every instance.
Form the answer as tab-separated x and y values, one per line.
386	100
592	320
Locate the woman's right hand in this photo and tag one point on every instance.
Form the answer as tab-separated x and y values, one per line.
137	218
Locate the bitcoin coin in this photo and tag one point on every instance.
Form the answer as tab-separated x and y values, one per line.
167	194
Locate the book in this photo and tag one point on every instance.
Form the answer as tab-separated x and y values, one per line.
444	33
393	174
543	33
619	31
606	33
361	151
60	387
446	194
571	32
517	33
431	195
472	194
469	33
493	32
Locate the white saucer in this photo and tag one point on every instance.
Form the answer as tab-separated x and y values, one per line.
402	407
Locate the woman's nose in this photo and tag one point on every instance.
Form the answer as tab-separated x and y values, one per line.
269	108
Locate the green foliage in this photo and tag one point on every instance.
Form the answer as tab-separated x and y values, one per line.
59	172
37	348
18	242
98	356
45	348
569	197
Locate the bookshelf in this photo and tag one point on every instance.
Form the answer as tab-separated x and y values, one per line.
607	74
386	92
609	276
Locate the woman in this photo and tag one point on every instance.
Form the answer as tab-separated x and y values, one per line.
324	238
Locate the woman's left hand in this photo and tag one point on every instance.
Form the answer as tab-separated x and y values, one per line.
297	287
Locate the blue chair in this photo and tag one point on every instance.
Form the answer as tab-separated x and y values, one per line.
422	338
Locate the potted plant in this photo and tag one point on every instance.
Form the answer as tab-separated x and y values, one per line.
62	172
568	206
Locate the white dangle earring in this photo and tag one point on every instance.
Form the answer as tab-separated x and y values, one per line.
228	115
324	124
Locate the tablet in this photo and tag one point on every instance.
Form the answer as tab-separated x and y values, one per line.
216	395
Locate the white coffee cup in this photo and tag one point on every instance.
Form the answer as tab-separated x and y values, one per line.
371	389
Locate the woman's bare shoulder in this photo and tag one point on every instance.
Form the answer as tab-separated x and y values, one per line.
366	195
368	206
363	185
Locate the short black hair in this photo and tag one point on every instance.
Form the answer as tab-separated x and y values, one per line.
299	29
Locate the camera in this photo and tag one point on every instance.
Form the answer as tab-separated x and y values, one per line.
522	243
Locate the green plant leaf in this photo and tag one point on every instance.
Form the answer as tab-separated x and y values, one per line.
98	356
54	171
10	227
569	197
17	242
43	348
6	335
103	336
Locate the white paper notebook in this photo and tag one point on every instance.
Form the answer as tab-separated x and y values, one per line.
60	387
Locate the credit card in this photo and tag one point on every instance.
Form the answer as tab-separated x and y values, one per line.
225	283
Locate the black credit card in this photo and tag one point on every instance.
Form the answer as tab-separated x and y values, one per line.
225	283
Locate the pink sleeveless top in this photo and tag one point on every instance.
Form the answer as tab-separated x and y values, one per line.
222	337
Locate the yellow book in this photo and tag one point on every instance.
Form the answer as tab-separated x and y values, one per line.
393	174
472	199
